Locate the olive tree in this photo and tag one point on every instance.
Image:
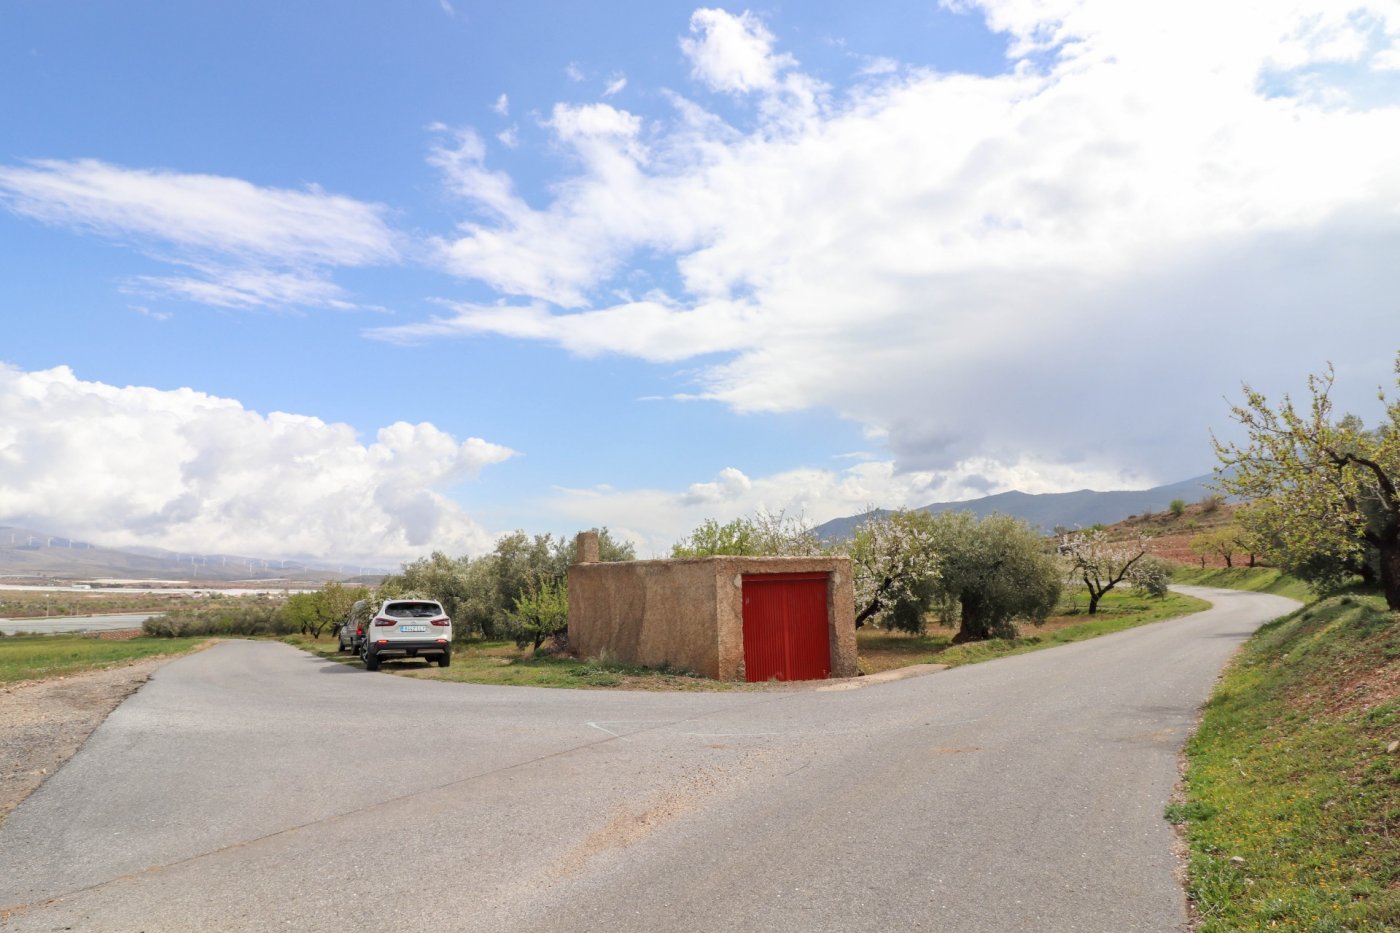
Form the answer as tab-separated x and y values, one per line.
767	534
1323	484
609	549
990	573
445	579
315	612
481	594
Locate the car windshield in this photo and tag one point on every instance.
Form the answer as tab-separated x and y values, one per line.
413	610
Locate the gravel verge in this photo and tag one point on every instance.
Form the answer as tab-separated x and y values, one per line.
44	722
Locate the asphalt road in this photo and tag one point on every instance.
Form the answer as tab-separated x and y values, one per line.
253	787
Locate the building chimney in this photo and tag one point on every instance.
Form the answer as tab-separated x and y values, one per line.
586	548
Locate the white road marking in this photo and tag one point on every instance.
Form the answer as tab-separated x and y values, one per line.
599	724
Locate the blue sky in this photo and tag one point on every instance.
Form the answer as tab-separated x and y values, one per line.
308	280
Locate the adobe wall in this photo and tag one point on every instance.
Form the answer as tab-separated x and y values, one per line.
689	613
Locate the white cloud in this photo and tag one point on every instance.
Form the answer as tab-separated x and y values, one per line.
654	519
194	472
591	121
502	105
520	250
249	245
245	288
615	85
654	331
879	66
1066	265
733	53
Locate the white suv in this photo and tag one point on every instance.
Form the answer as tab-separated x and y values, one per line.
407	628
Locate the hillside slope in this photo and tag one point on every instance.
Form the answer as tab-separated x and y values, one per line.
1045	511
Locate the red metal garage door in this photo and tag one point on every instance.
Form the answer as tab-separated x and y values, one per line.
785	626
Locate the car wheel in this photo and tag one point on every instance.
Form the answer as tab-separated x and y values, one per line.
371	661
445	659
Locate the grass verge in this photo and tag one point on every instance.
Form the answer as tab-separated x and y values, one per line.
1292	794
1254	579
884	650
502	663
36	657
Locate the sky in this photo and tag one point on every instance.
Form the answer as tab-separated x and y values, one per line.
314	280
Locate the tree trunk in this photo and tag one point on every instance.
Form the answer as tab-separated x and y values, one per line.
1094	597
876	602
1228	562
1389	554
974	622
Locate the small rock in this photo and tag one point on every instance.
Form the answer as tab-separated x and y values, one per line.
1237	861
1392	748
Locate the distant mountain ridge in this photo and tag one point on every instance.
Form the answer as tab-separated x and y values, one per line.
1046	511
25	552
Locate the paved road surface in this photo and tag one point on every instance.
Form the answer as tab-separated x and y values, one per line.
57	624
253	787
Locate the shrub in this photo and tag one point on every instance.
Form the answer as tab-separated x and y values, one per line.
260	617
1151	576
1177	507
541	612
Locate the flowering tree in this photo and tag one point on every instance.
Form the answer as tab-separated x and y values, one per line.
1100	564
1325	488
1223	543
891	554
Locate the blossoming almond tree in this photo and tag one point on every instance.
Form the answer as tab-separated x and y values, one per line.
1100	564
1325	485
890	554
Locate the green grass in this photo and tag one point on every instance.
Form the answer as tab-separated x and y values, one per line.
883	650
502	663
35	657
1292	802
1254	579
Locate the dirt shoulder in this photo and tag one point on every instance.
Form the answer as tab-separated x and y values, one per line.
44	722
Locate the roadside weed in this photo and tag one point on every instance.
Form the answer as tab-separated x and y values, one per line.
35	657
1292	809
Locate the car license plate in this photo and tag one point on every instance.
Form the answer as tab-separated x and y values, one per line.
413	628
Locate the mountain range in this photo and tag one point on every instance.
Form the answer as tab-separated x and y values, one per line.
1047	511
26	553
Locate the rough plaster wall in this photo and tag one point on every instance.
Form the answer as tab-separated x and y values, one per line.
690	613
645	612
